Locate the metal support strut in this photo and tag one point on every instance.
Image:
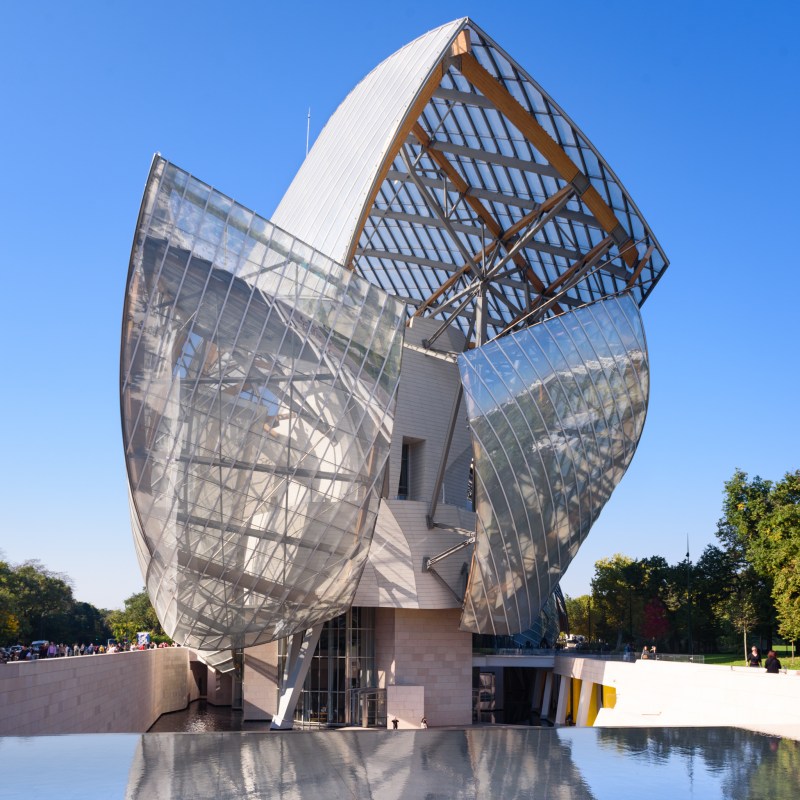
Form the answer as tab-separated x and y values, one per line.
437	486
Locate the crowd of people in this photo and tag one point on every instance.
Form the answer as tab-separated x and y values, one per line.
44	649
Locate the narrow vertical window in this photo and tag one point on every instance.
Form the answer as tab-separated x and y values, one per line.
403	489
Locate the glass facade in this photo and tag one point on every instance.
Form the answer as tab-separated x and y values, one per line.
543	634
556	412
258	382
337	688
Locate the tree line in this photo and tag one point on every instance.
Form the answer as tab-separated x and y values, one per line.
37	603
745	586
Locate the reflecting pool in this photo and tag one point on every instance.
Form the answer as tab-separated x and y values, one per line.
562	763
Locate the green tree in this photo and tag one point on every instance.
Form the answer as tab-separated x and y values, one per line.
762	518
138	615
711	579
617	598
579	614
41	596
36	603
9	613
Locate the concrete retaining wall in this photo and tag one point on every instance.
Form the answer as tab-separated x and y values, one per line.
114	693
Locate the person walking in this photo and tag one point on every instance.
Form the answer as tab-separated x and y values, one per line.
754	659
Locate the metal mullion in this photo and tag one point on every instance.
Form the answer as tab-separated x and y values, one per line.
388	200
491	462
425	221
193	317
441	117
211	340
643	344
145	233
365	411
524	451
620	373
530	166
433	205
570	404
169	316
502	122
387	230
246	370
268	317
547	432
407	233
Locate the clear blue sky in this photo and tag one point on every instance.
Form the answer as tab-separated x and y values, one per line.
695	106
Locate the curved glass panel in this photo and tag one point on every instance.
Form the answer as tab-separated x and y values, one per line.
543	634
257	385
556	413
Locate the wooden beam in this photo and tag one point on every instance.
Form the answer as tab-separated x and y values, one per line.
527	125
590	256
462	44
549	203
483	213
462	187
640	266
587	260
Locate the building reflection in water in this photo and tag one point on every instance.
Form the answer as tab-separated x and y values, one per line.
564	763
472	763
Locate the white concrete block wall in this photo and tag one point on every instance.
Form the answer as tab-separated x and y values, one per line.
407	705
428	388
670	694
260	682
219	688
384	647
119	693
393	576
430	651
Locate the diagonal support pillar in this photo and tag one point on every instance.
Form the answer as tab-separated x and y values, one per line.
437	486
549	680
298	662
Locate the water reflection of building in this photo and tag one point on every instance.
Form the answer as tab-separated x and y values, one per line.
353	446
473	763
571	764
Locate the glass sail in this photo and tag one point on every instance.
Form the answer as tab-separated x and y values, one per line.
258	383
556	412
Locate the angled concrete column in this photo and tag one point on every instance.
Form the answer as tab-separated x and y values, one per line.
585	702
564	688
538	682
548	694
298	661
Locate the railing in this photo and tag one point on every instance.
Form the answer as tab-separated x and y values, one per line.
512	651
603	656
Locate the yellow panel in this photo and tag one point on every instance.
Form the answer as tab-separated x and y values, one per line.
592	715
574	699
609	697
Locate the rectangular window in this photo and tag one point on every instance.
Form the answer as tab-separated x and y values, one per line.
404	487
